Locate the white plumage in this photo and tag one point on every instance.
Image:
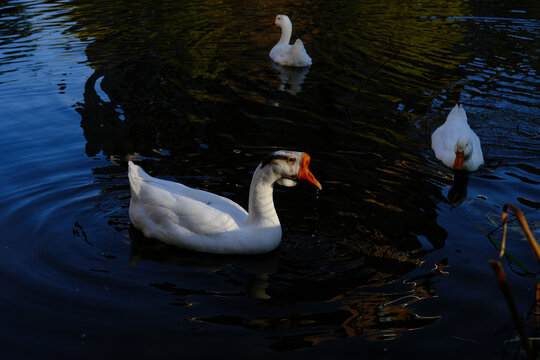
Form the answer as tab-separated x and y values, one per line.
206	222
285	54
456	144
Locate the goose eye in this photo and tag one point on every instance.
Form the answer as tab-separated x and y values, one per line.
292	160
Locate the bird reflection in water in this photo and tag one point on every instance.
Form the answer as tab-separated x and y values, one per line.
291	78
458	192
255	267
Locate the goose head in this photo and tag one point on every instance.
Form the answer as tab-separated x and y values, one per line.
282	21
463	150
289	167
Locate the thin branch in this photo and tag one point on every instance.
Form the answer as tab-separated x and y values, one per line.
509	221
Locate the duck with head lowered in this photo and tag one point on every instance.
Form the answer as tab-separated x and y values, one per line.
284	54
456	144
202	221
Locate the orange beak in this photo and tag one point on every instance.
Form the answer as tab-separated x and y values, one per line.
273	22
458	163
305	174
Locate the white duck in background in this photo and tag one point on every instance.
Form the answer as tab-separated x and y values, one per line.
285	54
456	144
202	221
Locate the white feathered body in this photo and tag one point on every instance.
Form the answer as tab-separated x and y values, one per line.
444	139
290	55
196	219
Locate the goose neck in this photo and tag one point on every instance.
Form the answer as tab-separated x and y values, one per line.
261	203
286	32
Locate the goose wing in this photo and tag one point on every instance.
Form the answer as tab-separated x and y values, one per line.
166	209
443	141
156	201
281	54
299	54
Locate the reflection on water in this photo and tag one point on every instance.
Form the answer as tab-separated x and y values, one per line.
268	279
186	89
291	78
458	191
378	316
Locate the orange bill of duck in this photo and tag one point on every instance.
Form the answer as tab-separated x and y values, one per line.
458	163
305	174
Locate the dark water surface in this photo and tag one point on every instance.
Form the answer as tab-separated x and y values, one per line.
388	250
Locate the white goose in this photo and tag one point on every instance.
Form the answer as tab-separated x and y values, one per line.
206	222
285	54
456	144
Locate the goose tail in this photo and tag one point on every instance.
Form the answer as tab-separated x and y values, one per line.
299	54
136	176
457	114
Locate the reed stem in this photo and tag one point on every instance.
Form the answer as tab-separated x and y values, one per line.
523	222
503	283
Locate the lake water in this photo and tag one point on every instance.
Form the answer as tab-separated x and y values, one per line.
388	260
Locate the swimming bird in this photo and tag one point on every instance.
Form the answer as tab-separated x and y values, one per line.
456	144
206	222
285	54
